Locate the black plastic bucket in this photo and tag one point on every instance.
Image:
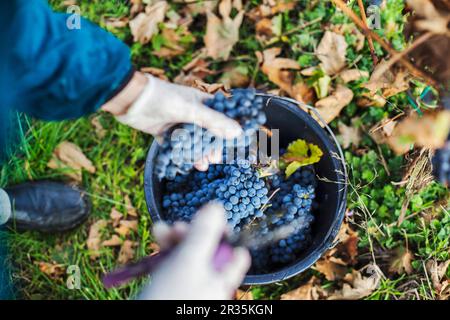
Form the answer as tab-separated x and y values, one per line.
293	123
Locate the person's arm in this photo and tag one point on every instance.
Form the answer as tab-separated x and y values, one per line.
52	72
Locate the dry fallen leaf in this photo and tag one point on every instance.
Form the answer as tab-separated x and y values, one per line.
99	129
111	22
243	295
154	247
331	52
157	72
264	30
383	83
126	226
115	216
308	291
127	252
94	238
332	268
330	107
131	210
430	130
349	135
353	75
68	156
113	242
269	8
433	20
222	34
437	272
347	247
172	45
211	88
52	270
276	69
234	77
195	70
401	262
357	287
145	24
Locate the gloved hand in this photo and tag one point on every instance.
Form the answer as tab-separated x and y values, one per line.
188	273
163	104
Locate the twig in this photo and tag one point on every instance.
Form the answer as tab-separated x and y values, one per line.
369	38
407	64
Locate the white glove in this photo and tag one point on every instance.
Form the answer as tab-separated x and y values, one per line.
188	273
163	104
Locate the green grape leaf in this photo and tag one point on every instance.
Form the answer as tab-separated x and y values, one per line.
300	153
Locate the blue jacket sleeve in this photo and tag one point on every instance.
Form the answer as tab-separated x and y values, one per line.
53	72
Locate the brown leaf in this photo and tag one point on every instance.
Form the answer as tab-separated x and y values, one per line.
350	135
330	107
126	226
331	52
308	291
430	130
99	130
116	22
264	30
172	46
115	216
113	242
131	210
243	295
269	8
94	238
157	72
433	20
196	70
145	24
388	82
347	247
303	93
357	287
222	34
208	87
69	156
401	261
52	270
276	69
437	272
235	76
353	75
331	268
154	247
127	252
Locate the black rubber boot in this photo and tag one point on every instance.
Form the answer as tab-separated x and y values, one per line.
47	206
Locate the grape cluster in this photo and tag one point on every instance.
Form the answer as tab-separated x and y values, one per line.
291	205
188	143
237	186
251	202
242	193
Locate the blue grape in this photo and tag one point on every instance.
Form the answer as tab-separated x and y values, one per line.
182	148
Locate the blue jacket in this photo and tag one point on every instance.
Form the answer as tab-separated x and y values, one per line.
53	72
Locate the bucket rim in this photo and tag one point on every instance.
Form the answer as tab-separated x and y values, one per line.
328	242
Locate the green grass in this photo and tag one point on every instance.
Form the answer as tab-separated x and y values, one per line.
119	160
